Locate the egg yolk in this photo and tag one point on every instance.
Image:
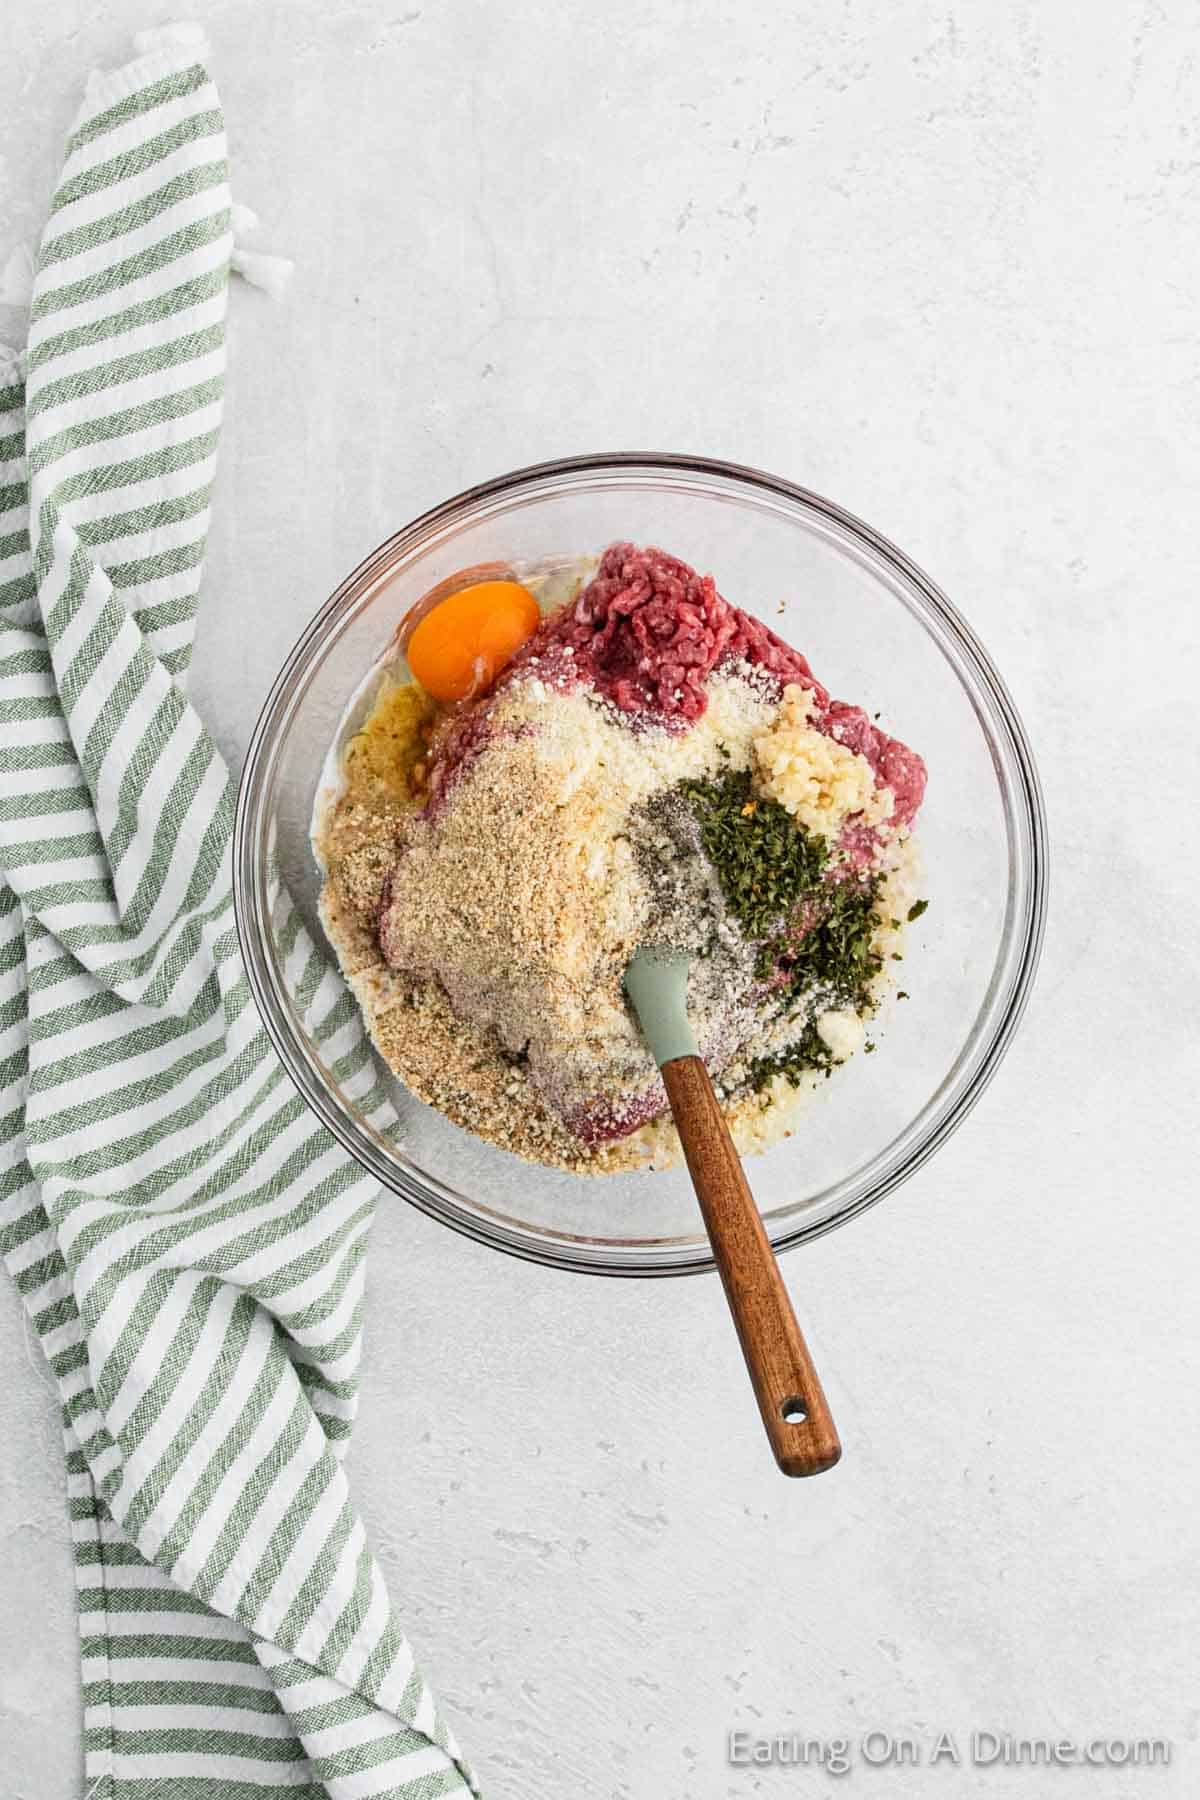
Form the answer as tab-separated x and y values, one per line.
460	647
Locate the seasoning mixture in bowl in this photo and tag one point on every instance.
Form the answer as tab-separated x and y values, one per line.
556	770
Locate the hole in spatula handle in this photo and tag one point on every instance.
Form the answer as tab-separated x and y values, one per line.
789	1394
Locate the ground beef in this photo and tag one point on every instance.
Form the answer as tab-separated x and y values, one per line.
756	643
893	763
604	1120
458	741
646	632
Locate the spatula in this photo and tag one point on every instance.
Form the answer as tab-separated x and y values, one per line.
793	1406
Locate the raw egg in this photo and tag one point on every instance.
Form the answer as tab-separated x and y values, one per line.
461	645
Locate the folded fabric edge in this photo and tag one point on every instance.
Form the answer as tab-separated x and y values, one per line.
156	53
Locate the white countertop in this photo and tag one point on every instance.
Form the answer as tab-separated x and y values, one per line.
939	265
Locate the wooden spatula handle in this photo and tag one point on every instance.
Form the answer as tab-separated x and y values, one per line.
793	1406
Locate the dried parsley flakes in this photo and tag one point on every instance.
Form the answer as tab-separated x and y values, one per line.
837	951
810	1051
815	934
765	864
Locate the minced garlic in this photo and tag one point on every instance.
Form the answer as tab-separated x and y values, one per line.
819	781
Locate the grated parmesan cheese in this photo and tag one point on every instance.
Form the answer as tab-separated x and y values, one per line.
842	1032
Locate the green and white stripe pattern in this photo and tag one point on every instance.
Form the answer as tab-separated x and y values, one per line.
187	1240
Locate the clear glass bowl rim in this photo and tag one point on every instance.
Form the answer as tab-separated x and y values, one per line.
1013	975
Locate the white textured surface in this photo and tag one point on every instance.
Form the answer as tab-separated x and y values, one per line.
941	266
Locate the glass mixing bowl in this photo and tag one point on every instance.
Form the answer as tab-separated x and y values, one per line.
878	632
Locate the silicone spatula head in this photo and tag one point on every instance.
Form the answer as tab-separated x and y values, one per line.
656	982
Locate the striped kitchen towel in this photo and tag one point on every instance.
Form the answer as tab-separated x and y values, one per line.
187	1240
